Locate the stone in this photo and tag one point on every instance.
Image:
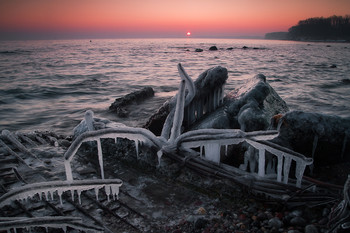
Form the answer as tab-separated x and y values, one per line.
213	48
311	229
200	223
210	80
120	104
275	223
199	50
252	106
326	138
298	221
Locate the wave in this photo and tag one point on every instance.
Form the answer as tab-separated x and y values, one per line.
15	52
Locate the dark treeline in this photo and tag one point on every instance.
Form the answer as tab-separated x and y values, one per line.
319	28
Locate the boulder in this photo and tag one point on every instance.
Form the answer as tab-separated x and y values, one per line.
119	105
209	89
248	108
251	107
326	138
213	48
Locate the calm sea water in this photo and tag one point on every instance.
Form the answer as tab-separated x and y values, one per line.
48	85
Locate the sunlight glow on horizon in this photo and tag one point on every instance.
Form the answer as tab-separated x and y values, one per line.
158	17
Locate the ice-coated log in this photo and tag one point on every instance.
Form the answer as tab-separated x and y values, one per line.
189	84
195	109
179	113
10	151
121	132
29	190
9	136
59	222
100	157
287	155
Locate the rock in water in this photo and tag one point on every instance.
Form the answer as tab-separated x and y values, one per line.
251	107
120	104
324	137
248	108
209	93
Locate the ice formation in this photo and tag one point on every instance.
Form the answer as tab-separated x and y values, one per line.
208	141
50	187
134	134
15	142
60	222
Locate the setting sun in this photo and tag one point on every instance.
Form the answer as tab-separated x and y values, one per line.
188	33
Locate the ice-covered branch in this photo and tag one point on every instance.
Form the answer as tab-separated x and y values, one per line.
9	136
189	84
134	134
179	113
61	222
50	187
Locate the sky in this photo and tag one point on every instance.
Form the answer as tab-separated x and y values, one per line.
158	18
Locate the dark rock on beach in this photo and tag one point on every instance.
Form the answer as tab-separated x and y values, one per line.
207	82
199	50
120	104
251	107
213	48
323	137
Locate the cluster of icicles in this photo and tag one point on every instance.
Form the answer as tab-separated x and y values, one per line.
49	188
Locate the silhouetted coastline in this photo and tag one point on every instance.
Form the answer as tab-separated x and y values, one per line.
318	29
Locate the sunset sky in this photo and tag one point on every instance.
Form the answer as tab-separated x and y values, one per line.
158	18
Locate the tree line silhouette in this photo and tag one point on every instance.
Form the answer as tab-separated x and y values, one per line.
318	28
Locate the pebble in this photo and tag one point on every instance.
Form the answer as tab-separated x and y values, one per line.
275	223
298	221
311	229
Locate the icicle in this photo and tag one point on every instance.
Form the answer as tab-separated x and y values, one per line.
286	168
159	154
64	228
261	171
96	193
108	191
279	168
46	229
46	195
212	152
252	160
72	192
179	113
100	158
115	140
79	195
40	196
51	195
59	193
299	171
201	151
115	191
226	147
137	148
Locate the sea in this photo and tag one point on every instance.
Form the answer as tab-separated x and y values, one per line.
49	84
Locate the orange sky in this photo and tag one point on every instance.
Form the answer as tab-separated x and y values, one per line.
153	18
